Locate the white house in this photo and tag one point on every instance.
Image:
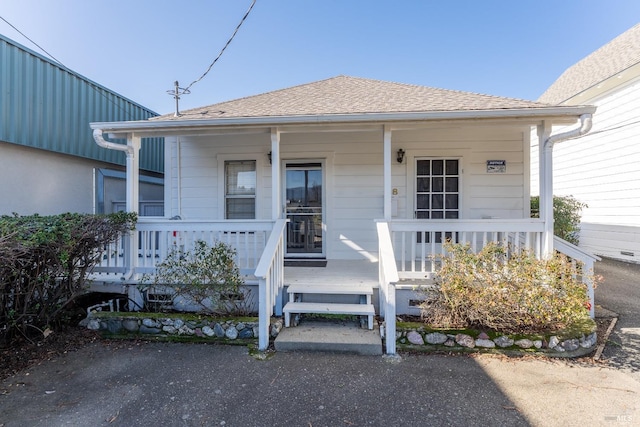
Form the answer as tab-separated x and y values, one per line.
366	175
602	169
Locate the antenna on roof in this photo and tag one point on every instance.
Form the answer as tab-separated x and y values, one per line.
176	93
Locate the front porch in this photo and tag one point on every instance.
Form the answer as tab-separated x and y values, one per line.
408	251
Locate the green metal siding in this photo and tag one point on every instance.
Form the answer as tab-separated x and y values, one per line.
45	105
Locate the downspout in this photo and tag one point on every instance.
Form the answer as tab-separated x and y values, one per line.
130	151
546	209
586	123
97	136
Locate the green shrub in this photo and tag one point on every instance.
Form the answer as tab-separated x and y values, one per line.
514	293
44	261
567	212
207	276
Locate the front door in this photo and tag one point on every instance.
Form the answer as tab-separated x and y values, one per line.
304	209
437	196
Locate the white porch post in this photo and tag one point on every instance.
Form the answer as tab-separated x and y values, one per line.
387	172
546	187
277	212
276	209
133	193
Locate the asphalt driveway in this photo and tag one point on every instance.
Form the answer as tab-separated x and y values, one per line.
165	384
620	292
162	384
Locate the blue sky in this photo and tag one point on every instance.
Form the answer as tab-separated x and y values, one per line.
513	48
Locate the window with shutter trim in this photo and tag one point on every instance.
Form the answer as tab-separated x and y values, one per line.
240	189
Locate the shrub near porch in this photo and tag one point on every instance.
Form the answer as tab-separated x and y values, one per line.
205	279
511	293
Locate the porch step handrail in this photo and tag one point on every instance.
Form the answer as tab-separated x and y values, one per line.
388	277
270	275
583	265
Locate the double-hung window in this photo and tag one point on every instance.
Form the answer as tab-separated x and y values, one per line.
240	189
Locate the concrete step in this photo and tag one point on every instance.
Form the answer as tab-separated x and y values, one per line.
326	336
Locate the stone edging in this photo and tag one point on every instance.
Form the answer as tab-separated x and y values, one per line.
206	329
415	339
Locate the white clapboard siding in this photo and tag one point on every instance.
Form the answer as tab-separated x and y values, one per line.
354	175
613	241
602	169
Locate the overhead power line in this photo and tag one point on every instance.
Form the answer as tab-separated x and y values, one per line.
93	86
177	91
27	37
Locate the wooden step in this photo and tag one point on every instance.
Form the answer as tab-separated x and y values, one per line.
330	289
328	308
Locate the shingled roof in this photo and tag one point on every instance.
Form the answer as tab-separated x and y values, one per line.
612	58
351	95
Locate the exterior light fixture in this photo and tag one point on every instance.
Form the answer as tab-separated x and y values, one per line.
269	155
400	155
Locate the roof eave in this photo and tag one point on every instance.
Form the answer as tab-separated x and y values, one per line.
172	125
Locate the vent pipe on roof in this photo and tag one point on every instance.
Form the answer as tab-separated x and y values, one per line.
586	121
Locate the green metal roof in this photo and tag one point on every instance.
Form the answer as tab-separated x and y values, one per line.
48	106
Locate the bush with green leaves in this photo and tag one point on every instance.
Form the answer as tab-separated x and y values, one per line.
567	212
207	276
44	262
506	291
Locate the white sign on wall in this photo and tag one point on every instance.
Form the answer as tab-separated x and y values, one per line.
496	166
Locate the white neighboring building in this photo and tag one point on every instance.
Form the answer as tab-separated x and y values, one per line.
603	168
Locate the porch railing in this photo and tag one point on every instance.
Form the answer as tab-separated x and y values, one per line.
158	238
583	267
409	249
418	243
270	275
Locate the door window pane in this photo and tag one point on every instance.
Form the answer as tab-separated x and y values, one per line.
437	167
451	185
423	201
452	167
303	184
423	184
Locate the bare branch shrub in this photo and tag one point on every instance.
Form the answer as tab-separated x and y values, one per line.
511	292
44	261
207	278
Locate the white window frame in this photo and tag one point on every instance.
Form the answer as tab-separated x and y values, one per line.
444	191
222	180
461	155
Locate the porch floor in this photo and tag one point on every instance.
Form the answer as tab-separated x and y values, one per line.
337	272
